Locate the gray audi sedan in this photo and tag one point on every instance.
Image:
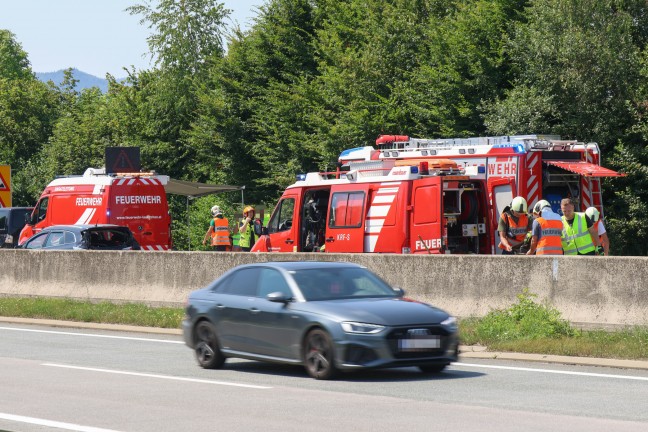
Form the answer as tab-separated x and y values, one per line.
326	316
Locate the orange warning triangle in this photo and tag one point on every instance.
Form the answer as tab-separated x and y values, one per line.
4	184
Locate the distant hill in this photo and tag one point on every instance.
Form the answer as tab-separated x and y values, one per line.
85	80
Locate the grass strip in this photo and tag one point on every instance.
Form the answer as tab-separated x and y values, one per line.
84	311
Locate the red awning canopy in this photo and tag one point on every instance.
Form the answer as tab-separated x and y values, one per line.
585	168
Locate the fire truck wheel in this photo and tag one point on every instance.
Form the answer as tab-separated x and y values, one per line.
208	353
318	355
432	369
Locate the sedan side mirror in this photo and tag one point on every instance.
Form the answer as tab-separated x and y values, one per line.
400	292
278	297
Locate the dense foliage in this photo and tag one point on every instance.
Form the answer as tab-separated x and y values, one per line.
313	77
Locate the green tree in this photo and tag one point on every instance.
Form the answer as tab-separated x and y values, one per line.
250	124
28	109
14	63
576	66
628	201
464	64
186	33
186	41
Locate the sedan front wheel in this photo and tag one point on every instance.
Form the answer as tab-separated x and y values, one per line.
208	352
318	355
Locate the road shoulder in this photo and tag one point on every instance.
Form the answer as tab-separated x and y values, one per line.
465	351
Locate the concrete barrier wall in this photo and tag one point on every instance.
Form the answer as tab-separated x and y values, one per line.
597	290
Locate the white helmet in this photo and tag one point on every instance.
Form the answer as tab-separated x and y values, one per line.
519	204
593	214
540	205
215	211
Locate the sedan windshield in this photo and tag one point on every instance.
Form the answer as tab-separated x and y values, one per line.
340	283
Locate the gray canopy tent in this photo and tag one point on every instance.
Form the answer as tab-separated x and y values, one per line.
193	190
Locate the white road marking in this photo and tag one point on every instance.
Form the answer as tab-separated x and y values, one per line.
54	424
93	335
590	374
168	377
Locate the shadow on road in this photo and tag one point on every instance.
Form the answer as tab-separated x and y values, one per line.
373	375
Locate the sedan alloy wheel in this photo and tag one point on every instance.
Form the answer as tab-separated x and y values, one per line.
208	353
318	355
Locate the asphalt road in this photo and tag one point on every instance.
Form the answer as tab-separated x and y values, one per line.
54	379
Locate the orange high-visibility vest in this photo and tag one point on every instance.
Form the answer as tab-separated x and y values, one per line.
550	243
516	231
220	235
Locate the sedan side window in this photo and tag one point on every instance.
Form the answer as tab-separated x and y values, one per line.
37	242
69	237
243	282
55	239
271	281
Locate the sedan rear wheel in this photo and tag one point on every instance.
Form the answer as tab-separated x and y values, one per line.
208	353
318	355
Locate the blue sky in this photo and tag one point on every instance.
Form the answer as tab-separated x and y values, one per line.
95	36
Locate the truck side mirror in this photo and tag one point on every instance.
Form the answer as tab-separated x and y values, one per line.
28	219
264	230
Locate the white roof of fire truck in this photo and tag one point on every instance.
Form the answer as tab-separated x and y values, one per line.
98	176
379	171
403	147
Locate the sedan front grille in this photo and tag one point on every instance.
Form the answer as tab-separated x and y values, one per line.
418	342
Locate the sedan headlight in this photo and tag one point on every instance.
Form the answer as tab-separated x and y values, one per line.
361	328
450	323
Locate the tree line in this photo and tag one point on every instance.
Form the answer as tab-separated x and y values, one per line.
311	78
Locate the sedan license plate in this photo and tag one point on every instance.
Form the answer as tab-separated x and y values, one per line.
420	344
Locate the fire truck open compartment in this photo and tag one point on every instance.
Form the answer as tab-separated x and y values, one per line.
558	184
314	211
464	215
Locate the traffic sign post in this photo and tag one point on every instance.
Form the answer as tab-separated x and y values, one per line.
5	185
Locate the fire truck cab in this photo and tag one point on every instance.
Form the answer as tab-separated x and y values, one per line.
534	166
136	200
382	207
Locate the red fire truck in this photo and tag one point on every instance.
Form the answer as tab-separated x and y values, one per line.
384	206
136	200
542	166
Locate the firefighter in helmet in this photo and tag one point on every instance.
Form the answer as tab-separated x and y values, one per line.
513	227
218	231
546	230
604	241
249	229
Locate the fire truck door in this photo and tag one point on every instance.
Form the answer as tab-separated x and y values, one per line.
501	192
426	216
345	226
283	228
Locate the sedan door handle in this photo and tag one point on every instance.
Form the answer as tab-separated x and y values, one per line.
255	310
220	306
